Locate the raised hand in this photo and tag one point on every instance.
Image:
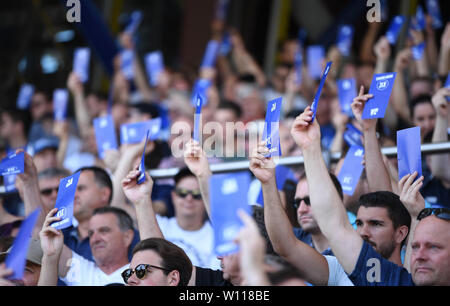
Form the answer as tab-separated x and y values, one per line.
133	191
357	108
382	49
52	240
304	132
440	102
410	195
262	167
195	159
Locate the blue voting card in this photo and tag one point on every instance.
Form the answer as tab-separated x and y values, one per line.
13	164
271	133
135	132
418	23
24	98
60	104
221	10
154	64
319	90
345	39
384	10
298	64
351	169
209	58
81	59
435	12
127	67
315	56
395	28
16	259
380	88
198	118
201	87
408	152
418	50
346	93
302	34
228	194
105	135
352	136
141	177
135	21
447	85
225	45
64	201
10	183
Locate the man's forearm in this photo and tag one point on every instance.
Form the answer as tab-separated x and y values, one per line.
146	219
49	271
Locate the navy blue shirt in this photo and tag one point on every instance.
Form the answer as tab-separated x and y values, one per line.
374	270
306	238
83	248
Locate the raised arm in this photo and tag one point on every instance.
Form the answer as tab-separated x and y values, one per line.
440	163
377	174
82	116
140	196
444	53
310	263
326	204
399	98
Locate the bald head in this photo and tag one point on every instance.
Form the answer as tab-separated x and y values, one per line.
430	258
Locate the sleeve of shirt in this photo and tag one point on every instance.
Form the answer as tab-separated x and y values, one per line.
337	275
79	269
374	270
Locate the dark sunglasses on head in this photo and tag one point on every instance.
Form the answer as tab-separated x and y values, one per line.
49	191
297	202
182	193
140	270
441	213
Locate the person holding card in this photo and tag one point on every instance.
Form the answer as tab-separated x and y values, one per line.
355	254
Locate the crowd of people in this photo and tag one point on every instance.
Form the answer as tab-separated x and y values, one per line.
302	230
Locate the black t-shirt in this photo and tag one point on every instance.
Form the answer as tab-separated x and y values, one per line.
209	277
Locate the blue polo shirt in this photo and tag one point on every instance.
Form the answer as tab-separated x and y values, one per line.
374	270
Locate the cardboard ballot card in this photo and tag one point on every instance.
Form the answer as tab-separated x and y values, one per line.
346	93
315	56
201	87
10	183
298	63
271	134
135	132
352	169
64	201
435	12
141	177
105	135
319	90
209	58
198	118
12	164
127	66
135	21
395	28
302	34
24	98
16	259
380	88
418	23
225	45
154	64
408	152
60	104
81	60
447	85
345	39
228	194
221	9
352	136
418	50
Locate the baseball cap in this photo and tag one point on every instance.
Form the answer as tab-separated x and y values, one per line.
34	254
47	142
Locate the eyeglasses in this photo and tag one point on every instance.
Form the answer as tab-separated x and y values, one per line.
141	271
297	202
441	213
48	191
182	193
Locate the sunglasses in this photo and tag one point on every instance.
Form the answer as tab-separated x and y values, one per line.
140	270
182	193
297	202
49	191
441	213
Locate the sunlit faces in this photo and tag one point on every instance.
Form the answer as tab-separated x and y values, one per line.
88	196
154	276
188	206
304	214
424	115
430	257
49	191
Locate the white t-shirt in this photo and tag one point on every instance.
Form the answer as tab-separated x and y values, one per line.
84	272
337	276
198	245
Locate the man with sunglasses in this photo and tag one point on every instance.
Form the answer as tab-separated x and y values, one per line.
430	255
48	180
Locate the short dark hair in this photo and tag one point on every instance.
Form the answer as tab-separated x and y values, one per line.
233	106
335	181
173	257
18	115
419	100
123	218
101	177
397	212
182	173
283	270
